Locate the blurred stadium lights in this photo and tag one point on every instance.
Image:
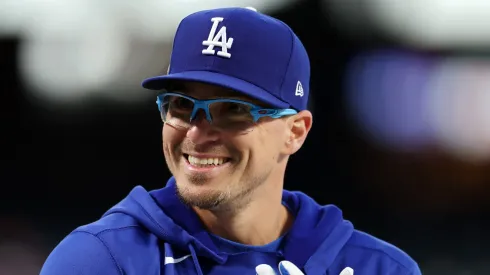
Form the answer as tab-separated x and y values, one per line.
407	101
386	95
434	24
460	107
157	20
75	50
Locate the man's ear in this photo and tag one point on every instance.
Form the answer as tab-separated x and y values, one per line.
299	126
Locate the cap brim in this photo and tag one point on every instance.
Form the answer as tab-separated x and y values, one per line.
244	87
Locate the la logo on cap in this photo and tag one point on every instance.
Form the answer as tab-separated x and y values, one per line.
217	40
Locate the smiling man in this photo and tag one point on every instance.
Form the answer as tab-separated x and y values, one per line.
234	109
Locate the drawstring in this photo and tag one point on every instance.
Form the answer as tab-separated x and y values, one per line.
194	259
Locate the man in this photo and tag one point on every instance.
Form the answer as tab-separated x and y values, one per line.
234	107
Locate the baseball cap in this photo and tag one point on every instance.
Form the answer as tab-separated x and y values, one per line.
241	49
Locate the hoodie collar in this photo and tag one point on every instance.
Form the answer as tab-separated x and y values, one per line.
162	212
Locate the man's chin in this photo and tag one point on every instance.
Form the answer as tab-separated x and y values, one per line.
198	179
200	196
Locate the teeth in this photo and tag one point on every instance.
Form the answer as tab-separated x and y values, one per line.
206	161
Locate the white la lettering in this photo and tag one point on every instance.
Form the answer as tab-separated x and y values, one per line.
217	40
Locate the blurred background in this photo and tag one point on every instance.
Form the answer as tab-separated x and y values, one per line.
400	93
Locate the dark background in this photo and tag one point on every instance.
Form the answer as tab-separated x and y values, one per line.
62	168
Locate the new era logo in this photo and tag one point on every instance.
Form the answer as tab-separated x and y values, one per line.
299	89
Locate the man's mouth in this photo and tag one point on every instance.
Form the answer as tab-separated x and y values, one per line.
206	161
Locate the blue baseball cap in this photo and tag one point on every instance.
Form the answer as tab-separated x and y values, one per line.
241	49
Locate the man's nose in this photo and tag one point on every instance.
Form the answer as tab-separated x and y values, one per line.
201	130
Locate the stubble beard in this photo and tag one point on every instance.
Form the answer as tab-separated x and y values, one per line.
228	200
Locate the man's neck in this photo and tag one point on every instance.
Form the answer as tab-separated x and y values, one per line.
260	222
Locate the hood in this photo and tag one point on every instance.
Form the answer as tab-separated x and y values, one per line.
163	214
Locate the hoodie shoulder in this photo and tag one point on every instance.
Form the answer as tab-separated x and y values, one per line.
108	223
111	245
122	235
131	246
362	243
81	253
321	238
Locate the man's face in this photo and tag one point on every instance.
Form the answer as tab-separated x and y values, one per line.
239	162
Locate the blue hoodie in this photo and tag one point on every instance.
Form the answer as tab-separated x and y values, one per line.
151	233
